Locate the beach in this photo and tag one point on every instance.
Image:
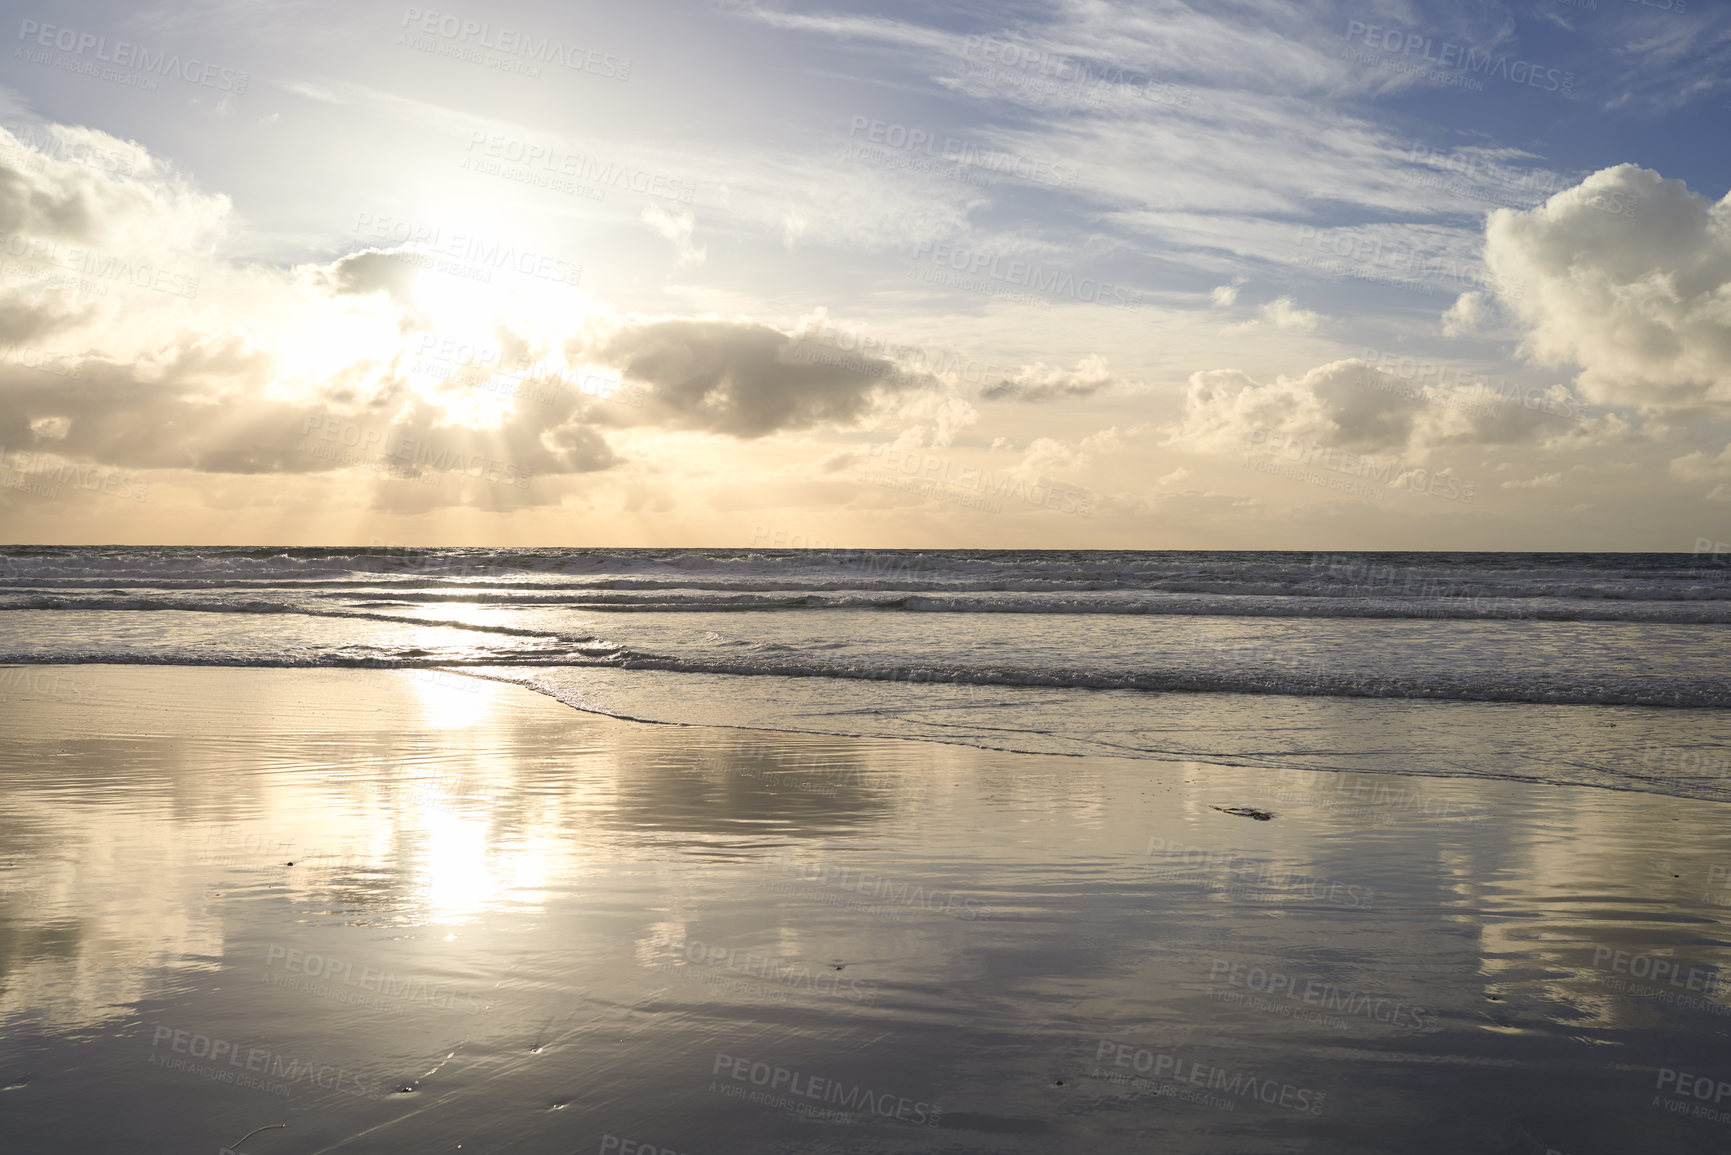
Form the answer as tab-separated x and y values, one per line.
416	910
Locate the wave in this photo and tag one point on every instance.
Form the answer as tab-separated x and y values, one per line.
1306	682
1504	607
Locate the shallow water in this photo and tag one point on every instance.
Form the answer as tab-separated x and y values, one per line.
1594	669
509	926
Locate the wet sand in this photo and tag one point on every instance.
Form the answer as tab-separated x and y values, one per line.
418	912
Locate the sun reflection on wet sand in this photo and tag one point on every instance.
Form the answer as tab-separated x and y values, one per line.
468	904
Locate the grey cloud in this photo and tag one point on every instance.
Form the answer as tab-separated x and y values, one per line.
748	380
30	316
369	271
198	406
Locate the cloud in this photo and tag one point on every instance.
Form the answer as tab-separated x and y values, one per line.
1176	477
677	227
1354	406
202	404
289	378
32	316
388	271
1628	276
78	185
746	379
1282	313
1330	403
1543	481
1467	315
1052	454
1042	382
1225	296
1699	467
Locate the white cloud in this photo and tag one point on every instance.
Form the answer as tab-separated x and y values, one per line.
1628	276
677	228
1047	455
1042	382
1330	403
1699	467
1354	406
128	202
1282	313
1467	315
1176	477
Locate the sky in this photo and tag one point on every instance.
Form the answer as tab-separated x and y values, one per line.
1416	276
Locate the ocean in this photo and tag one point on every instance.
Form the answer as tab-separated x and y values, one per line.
1604	670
